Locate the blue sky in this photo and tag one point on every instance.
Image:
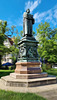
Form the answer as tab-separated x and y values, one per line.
42	10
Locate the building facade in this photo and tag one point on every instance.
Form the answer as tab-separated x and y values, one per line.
7	57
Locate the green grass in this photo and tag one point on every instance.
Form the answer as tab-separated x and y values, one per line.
8	95
53	69
5	72
49	70
52	72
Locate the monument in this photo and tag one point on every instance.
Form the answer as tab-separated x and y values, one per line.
28	71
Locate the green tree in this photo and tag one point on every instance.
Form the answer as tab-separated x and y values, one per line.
4	33
3	25
47	38
14	49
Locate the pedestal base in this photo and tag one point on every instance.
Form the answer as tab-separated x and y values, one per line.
28	67
28	74
10	81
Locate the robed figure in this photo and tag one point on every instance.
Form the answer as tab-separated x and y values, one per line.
28	21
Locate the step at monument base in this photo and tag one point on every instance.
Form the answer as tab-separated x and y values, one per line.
28	76
10	81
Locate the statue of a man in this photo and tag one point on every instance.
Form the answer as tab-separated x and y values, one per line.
28	21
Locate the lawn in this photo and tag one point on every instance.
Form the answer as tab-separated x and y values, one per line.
8	95
5	72
52	71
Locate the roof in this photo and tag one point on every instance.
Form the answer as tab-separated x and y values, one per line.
10	40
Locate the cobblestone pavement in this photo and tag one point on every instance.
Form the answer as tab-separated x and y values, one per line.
47	91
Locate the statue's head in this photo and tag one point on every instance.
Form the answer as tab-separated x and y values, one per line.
28	10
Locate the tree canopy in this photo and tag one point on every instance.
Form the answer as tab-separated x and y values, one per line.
3	25
47	38
5	32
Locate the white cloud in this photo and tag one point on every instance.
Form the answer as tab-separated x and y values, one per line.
55	13
38	17
50	16
32	5
19	21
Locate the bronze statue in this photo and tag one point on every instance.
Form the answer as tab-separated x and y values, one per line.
28	21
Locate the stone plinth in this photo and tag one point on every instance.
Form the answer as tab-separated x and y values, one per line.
28	67
28	76
10	81
28	50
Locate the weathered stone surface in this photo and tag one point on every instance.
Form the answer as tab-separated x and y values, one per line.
10	81
27	67
28	76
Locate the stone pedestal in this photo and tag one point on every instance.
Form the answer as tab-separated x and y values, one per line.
28	70
28	67
28	50
28	74
13	82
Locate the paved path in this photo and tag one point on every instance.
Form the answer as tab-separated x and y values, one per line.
50	95
47	91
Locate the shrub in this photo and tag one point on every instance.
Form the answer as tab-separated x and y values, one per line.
52	72
10	67
48	66
5	72
44	67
